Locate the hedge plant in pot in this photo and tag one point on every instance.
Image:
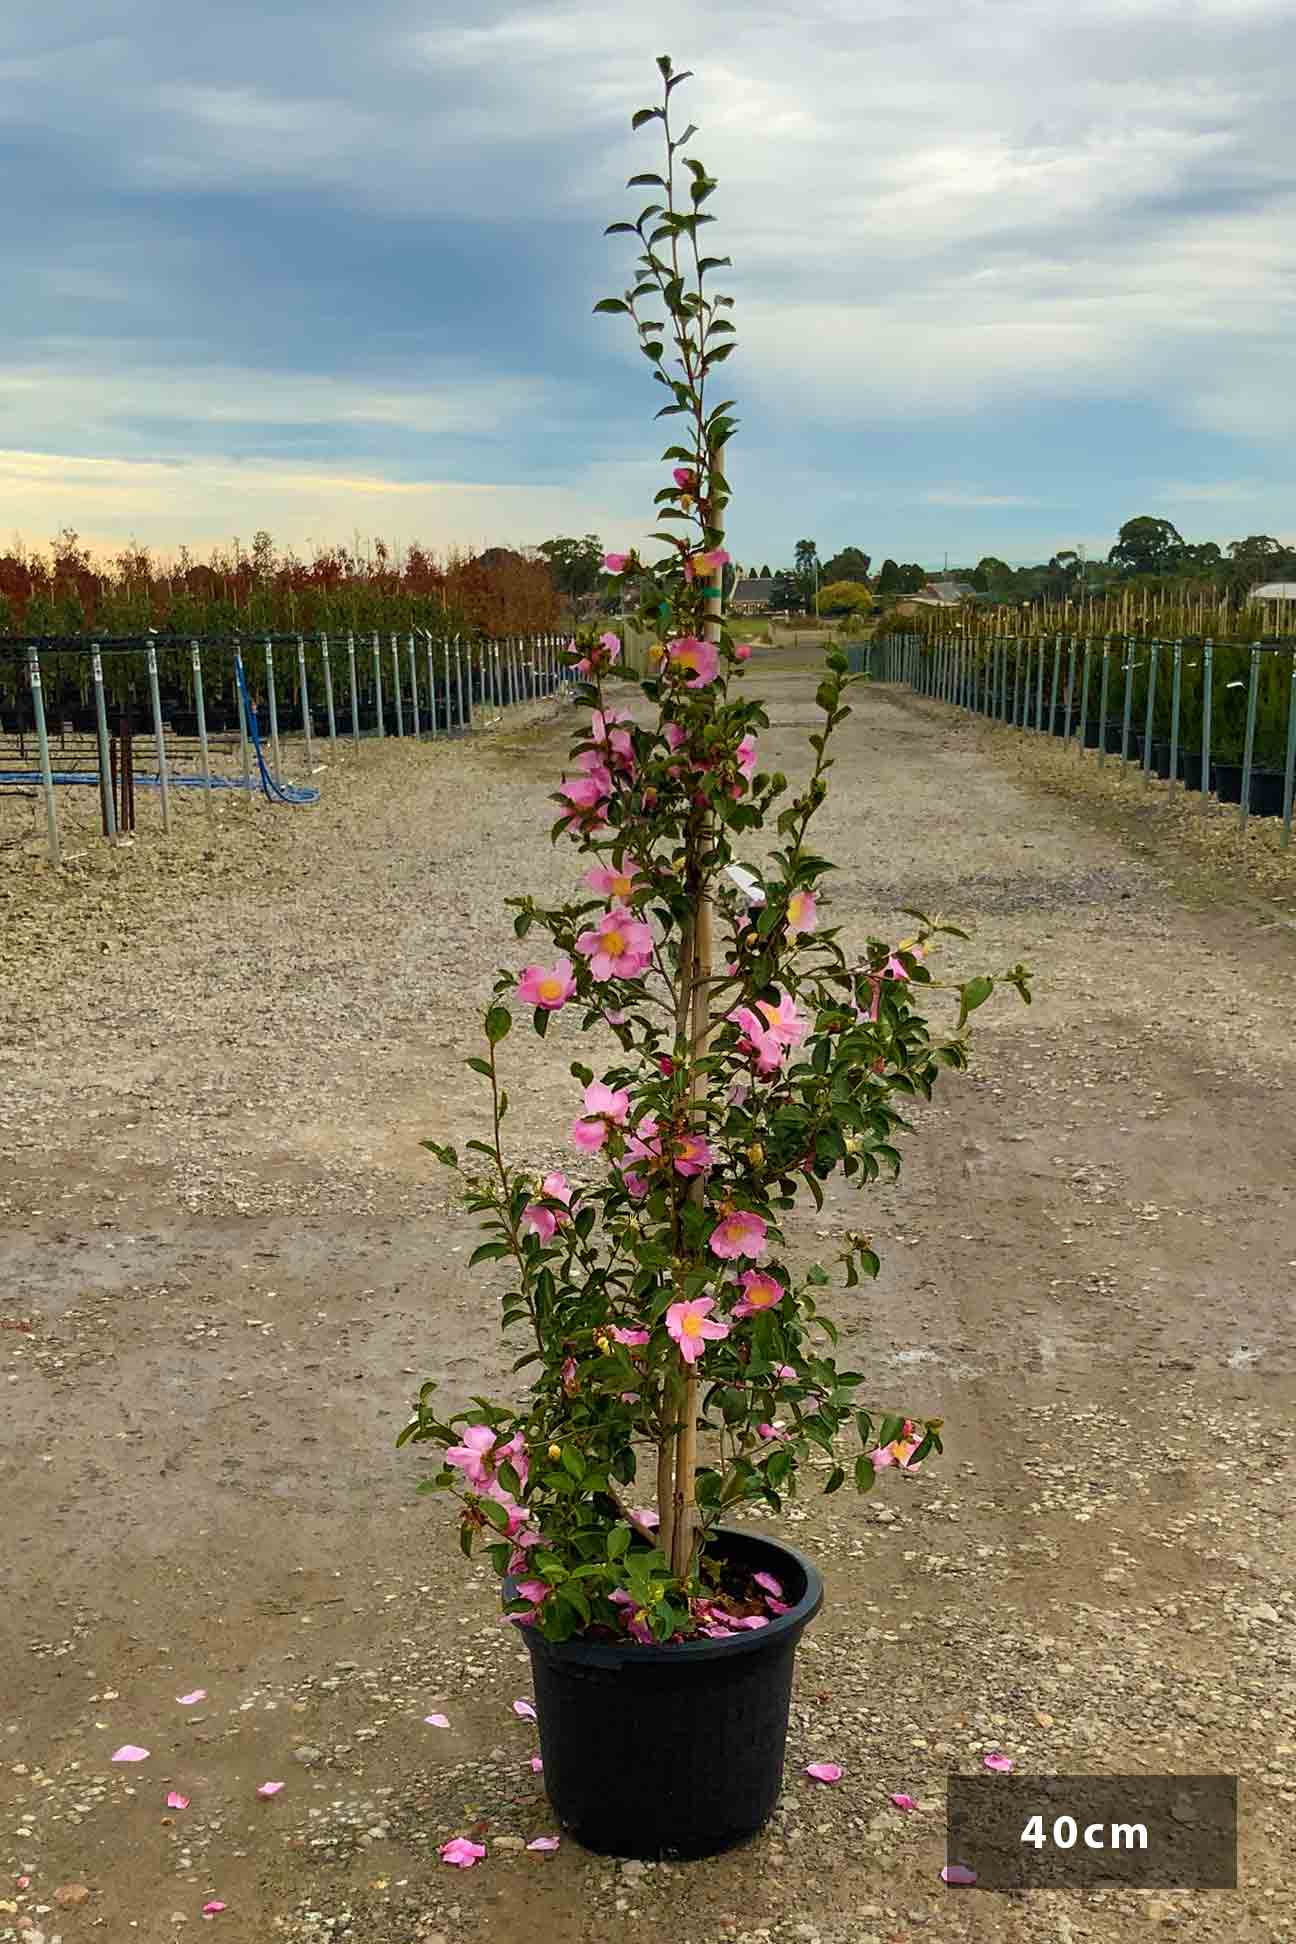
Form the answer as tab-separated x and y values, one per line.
680	1374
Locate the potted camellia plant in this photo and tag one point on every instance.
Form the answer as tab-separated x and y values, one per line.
680	1372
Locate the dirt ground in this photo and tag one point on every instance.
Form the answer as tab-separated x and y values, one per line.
226	1263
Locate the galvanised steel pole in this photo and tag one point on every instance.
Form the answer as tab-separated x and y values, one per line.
305	702
1208	685
201	706
1102	702
1289	774
378	695
107	804
164	779
355	693
464	723
1039	691
1053	689
1175	694
1249	750
328	690
1129	700
245	747
274	709
1070	688
1154	663
431	679
413	674
1084	698
42	745
396	687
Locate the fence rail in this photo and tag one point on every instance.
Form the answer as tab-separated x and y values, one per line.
196	697
1211	716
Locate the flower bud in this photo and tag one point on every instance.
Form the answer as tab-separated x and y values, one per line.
756	1154
555	1452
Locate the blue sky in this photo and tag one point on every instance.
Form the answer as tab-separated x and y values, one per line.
1007	271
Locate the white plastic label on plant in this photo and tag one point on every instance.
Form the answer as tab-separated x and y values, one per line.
746	883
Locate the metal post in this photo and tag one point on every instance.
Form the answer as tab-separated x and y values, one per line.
396	688
42	744
164	781
273	703
1084	699
107	806
413	668
201	706
1102	702
1154	664
1070	692
355	692
1208	684
432	709
328	690
1016	692
1249	750
305	702
244	746
1175	693
464	715
377	667
1289	774
1053	690
1129	698
1039	691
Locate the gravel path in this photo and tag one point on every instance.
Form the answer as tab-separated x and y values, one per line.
227	1263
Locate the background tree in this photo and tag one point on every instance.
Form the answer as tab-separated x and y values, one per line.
845	597
851	564
765	573
1147	546
889	578
576	565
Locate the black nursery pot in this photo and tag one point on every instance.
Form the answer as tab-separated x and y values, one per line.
673	1752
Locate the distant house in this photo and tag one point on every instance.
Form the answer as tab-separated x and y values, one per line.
944	593
1273	591
754	596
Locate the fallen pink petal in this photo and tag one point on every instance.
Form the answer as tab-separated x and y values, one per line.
903	1801
129	1753
537	1763
824	1771
176	1801
269	1788
1001	1764
214	1907
437	1721
460	1853
525	1710
958	1875
187	1700
544	1843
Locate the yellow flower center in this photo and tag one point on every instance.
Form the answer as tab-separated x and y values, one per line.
613	943
760	1295
692	1326
550	987
621	886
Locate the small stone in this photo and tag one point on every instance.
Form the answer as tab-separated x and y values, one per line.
1158	1911
307	1755
71	1896
508	1843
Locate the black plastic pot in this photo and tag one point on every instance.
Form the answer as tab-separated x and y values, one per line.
1190	768
1266	788
1091	735
1161	757
673	1752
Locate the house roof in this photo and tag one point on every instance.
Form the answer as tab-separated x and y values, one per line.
759	588
1274	591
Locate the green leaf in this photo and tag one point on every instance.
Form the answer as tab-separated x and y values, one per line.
865	1476
479	1065
540	1020
488	1252
836	1479
647	182
496	1513
573	1463
499	1024
618	1542
974	994
641	116
610	304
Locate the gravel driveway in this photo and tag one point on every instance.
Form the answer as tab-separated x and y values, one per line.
226	1264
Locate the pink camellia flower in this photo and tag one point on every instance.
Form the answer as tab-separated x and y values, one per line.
769	1051
588	797
701	659
630	1338
704	563
607	652
619	947
740	1234
801	913
535	1590
552	989
783	1020
647	1515
666	1066
742	651
461	1853
613	742
760	1292
636	1619
675	735
604	1107
617	885
685	478
569	1379
543	1221
692	1156
470	1456
747	755
616	563
771	1432
693	1327
786	1372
